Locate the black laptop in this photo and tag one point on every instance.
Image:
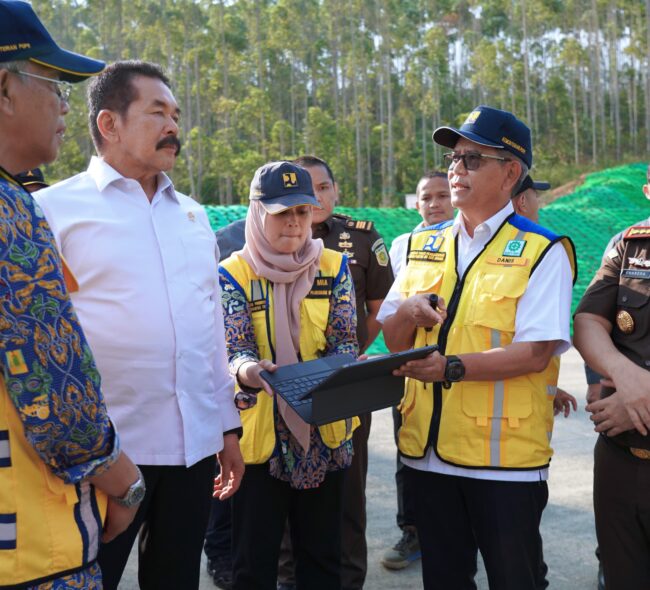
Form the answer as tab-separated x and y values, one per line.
337	387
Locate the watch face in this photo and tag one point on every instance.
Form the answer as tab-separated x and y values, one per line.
137	495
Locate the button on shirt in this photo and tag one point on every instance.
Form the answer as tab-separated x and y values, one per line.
149	303
543	313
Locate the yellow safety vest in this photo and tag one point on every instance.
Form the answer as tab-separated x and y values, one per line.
259	438
48	528
480	424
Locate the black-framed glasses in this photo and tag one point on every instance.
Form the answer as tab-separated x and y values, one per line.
471	160
61	87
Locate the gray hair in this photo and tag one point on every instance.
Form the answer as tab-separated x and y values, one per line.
13	66
522	176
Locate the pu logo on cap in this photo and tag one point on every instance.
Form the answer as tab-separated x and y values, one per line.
290	179
471	118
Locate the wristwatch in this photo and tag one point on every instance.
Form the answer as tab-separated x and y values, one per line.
134	495
454	371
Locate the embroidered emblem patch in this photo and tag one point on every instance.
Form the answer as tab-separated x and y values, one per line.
434	243
290	179
514	247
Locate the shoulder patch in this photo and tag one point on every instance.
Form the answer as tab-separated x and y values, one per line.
637	232
380	252
360	225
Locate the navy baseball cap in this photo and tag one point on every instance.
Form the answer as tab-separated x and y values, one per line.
282	185
30	177
23	37
528	182
493	128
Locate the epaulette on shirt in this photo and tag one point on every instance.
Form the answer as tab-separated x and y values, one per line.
356	223
637	232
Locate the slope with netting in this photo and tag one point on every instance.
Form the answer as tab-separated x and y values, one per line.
607	202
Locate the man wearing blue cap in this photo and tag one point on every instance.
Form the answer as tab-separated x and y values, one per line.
477	416
61	465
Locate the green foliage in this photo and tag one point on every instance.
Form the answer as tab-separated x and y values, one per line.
363	83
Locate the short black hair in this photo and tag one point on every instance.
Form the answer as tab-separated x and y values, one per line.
311	161
433	174
647	173
113	90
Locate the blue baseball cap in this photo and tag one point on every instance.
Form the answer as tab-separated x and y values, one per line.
528	182
23	37
282	185
492	128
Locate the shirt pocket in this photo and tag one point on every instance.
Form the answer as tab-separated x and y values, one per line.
200	261
631	295
494	304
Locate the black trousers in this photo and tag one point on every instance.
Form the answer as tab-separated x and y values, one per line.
456	516
622	509
173	517
260	510
405	512
354	548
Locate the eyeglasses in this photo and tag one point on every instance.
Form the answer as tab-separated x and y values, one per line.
471	160
61	88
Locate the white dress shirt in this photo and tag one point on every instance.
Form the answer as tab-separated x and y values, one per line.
543	313
150	306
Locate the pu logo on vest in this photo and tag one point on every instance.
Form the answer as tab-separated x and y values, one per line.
290	179
514	247
429	252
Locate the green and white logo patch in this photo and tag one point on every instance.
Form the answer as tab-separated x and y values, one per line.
514	247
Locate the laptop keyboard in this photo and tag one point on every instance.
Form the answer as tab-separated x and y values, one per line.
297	390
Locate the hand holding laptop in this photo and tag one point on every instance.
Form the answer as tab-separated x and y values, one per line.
248	374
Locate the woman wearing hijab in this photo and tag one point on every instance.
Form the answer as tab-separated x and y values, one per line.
286	299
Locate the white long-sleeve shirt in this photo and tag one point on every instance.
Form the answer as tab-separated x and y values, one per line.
150	306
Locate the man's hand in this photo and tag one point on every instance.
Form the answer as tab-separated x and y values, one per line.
593	392
232	468
420	312
610	415
118	519
632	385
563	402
428	369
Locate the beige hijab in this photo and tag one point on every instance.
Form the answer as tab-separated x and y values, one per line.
292	276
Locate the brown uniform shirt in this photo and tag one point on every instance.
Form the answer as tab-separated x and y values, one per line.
368	259
620	293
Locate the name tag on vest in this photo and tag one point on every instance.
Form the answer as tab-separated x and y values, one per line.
507	260
427	256
636	273
321	289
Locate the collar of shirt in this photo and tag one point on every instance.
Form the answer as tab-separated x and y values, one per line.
105	175
469	247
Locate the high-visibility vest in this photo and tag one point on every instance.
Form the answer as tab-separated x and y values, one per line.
480	424
47	528
258	423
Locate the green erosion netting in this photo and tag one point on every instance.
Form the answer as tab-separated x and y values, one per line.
606	203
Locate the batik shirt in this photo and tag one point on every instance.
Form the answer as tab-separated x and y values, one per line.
48	368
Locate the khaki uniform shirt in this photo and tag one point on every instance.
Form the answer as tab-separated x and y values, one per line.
368	260
620	293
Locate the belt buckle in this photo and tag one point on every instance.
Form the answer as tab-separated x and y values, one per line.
640	453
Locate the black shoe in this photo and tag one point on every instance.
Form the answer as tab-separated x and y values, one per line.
220	570
601	577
